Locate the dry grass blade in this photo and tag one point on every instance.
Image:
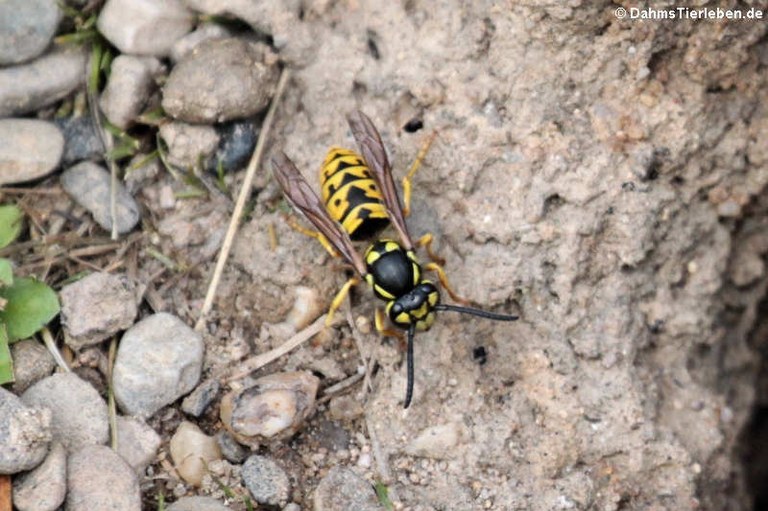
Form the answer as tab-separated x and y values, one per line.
242	197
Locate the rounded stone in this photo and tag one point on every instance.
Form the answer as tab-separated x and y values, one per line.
144	27
98	478
25	433
343	489
267	482
27	27
29	149
44	488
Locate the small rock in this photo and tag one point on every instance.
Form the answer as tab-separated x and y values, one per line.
128	89
31	362
236	145
306	308
221	80
89	185
191	451
98	478
96	307
200	398
267	482
343	489
29	87
273	407
189	144
79	413
292	507
144	27
204	32
81	140
158	361
44	488
25	433
230	449
140	171
345	407
436	442
137	443
197	504
29	149
27	27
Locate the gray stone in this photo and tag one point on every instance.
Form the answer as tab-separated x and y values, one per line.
137	443
343	489
89	185
197	504
79	413
158	361
29	87
144	27
26	28
98	478
204	32
25	433
198	401
230	449
96	307
31	362
189	144
238	139
29	149
128	89
81	140
221	80
43	488
267	482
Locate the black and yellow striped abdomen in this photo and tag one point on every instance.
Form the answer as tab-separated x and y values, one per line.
350	194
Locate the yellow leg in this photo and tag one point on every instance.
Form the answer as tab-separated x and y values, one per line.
426	242
409	176
339	299
296	226
380	322
444	282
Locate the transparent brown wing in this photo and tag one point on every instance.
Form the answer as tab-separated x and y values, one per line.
372	149
305	200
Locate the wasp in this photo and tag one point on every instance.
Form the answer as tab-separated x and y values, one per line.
360	199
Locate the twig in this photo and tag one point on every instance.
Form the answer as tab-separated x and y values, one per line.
382	462
51	345
263	359
111	405
367	365
331	391
242	197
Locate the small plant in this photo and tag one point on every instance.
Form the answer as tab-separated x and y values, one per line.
26	304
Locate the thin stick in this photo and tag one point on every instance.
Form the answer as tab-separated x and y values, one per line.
263	359
344	384
51	345
111	404
245	192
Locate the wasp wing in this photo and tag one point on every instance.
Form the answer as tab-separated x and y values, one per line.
372	149
304	199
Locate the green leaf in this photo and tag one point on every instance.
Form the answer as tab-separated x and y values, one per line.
382	492
31	304
10	224
6	272
6	363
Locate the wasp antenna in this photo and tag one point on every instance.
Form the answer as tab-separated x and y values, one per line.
475	312
409	363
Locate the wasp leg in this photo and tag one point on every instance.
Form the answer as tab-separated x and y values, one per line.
426	242
380	322
444	282
409	176
296	226
339	299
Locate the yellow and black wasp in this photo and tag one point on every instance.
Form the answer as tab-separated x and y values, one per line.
360	199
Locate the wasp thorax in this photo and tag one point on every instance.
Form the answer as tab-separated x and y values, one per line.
415	307
393	271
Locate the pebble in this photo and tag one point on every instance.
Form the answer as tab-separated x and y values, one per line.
28	87
230	449
199	399
436	442
81	140
274	407
31	362
204	32
25	433
345	407
197	504
267	482
189	144
27	27
144	27
137	443
98	478
130	83
29	149
192	451
343	489
141	171
236	145
221	80
43	488
79	413
306	308
88	184
158	360
96	307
